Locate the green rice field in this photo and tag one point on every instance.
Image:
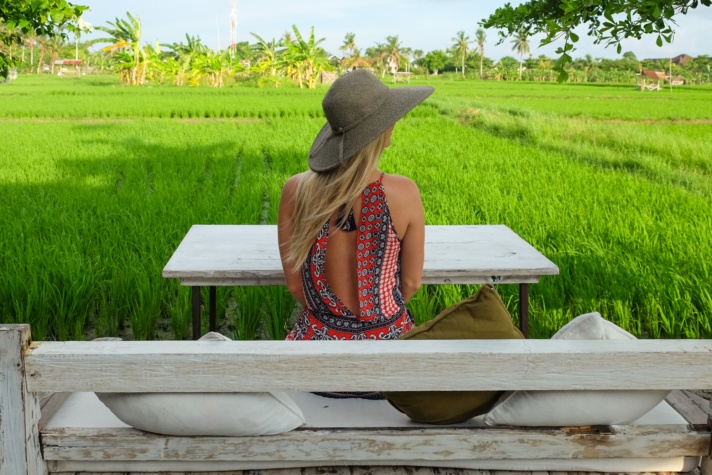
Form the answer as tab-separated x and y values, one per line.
99	183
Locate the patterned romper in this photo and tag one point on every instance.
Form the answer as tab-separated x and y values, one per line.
383	314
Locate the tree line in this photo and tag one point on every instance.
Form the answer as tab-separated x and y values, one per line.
300	58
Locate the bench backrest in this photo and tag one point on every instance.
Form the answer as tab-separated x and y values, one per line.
213	366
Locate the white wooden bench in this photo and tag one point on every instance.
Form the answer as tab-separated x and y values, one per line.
30	369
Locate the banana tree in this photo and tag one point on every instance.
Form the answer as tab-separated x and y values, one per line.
125	38
215	66
304	59
267	57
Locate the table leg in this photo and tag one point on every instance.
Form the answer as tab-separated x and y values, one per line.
196	312
213	307
524	309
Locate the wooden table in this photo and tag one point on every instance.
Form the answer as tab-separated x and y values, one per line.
241	255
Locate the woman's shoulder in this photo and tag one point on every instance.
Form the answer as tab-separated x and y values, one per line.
292	182
400	184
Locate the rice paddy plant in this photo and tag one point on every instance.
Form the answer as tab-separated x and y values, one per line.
144	310
279	310
600	179
247	321
114	307
423	306
177	303
446	296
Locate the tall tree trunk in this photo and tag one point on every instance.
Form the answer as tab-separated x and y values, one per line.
482	55
39	63
520	68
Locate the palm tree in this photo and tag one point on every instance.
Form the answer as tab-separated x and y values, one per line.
349	45
30	41
417	55
521	46
461	47
377	55
53	47
355	61
125	36
480	36
407	55
42	43
392	55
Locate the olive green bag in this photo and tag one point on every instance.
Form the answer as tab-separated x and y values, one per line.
482	316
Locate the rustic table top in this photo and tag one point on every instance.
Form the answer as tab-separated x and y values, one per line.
227	255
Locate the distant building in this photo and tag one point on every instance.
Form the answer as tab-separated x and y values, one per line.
64	66
69	62
679	59
658	75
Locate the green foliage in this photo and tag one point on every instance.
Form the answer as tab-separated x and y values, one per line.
43	17
434	61
611	184
305	59
125	47
608	22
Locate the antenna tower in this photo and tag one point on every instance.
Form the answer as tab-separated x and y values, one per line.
233	29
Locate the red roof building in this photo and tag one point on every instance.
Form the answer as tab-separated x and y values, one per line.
659	75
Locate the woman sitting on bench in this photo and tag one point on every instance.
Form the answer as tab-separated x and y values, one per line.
374	264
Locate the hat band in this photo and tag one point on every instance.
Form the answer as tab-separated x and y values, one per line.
341	144
342	130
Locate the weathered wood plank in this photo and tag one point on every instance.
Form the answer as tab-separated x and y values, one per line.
687	405
706	466
381	445
372	365
12	422
150	468
19	410
50	406
317	471
248	255
706	463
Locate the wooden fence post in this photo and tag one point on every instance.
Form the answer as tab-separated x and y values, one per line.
20	451
706	466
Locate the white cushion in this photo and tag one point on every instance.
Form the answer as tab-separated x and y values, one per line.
574	408
216	414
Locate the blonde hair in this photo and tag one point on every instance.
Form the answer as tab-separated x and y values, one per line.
320	195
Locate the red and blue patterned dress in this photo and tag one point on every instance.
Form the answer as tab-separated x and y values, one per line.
383	314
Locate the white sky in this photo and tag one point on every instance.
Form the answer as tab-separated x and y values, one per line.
419	24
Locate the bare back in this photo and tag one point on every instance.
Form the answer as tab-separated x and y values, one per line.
405	210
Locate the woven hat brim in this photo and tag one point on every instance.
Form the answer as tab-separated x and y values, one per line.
324	152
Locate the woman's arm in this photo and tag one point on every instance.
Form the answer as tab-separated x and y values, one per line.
409	221
285	225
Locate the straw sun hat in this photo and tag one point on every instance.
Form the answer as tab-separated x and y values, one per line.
358	108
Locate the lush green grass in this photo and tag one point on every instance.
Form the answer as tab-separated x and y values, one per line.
99	183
